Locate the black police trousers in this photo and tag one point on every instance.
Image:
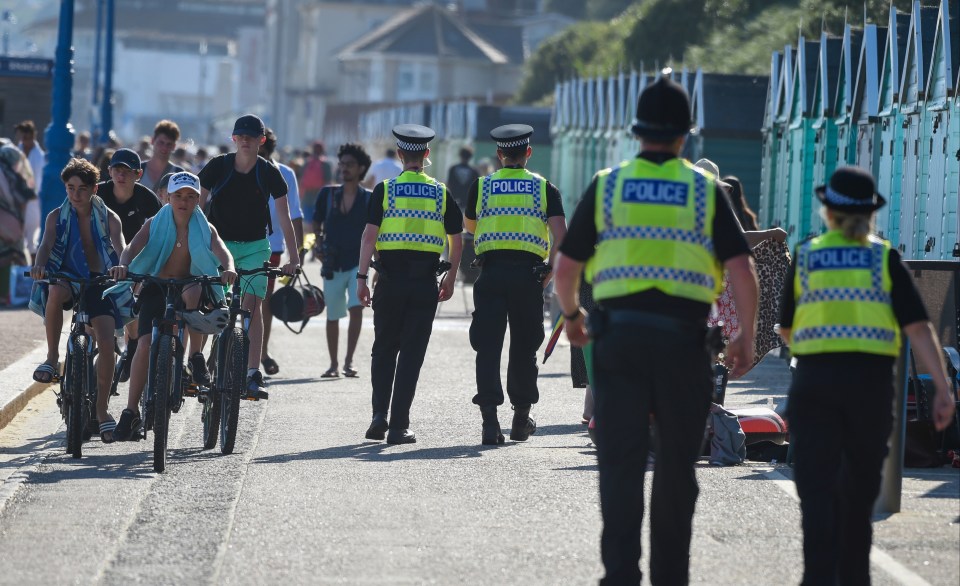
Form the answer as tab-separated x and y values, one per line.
403	312
841	413
638	372
507	294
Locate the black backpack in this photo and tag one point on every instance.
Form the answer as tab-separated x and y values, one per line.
229	160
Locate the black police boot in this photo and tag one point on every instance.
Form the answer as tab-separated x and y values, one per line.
378	427
491	426
523	425
401	436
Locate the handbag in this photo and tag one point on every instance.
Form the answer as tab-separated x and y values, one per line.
297	302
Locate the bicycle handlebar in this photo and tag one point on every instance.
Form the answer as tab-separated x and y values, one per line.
72	279
138	278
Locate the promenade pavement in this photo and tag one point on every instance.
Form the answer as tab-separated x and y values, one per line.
306	500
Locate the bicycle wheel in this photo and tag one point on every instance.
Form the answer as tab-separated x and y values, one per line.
235	378
76	407
211	403
162	380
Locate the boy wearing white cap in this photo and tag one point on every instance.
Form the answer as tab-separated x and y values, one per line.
175	244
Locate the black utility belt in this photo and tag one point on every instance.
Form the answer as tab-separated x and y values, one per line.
601	319
411	269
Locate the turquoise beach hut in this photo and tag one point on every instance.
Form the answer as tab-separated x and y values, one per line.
824	126
890	166
866	98
778	214
939	226
768	161
843	106
800	185
923	22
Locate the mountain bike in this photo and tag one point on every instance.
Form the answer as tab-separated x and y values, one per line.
228	367
77	398
164	391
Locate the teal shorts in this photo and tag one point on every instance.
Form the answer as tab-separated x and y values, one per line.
251	255
340	294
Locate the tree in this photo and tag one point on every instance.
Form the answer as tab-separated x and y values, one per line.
663	29
573	8
606	9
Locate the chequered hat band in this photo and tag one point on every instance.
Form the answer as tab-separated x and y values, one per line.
412	146
837	198
514	143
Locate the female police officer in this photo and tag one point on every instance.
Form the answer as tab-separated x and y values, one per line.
656	232
842	317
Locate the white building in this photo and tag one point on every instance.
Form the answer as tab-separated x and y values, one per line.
199	63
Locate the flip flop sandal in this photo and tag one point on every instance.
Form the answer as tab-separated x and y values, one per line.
270	366
108	426
331	373
349	372
45	373
128	424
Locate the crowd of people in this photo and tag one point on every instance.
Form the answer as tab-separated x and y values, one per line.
653	236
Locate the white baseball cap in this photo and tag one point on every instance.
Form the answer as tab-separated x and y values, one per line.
183	179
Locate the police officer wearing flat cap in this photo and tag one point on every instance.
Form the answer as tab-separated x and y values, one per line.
655	235
513	213
849	297
409	218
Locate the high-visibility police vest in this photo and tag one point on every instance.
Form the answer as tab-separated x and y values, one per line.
842	289
413	208
512	213
655	231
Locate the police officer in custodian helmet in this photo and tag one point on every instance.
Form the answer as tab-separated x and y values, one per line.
512	213
408	219
655	235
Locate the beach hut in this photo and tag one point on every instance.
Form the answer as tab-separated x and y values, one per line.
890	166
923	22
824	126
865	108
953	168
938	227
768	161
778	214
843	106
800	127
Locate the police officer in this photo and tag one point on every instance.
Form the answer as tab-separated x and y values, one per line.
512	214
657	234
408	219
850	296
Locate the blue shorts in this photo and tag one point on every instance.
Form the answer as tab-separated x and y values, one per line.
340	293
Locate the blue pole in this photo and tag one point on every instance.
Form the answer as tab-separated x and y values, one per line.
106	104
95	94
59	134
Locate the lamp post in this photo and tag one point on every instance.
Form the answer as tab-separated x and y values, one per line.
106	103
95	85
59	134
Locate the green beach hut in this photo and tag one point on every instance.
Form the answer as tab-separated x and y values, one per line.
829	63
778	214
768	161
800	186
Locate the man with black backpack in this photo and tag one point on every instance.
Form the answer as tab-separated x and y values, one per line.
235	191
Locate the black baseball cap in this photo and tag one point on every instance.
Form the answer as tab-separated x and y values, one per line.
663	110
127	158
249	125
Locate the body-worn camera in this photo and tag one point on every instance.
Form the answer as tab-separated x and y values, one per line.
540	271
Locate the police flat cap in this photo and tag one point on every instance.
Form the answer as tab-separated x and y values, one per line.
512	135
413	137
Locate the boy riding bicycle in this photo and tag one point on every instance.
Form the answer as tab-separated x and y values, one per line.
82	239
176	243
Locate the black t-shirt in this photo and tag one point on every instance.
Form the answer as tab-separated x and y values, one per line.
554	208
239	211
452	224
905	299
459	179
728	242
342	233
141	206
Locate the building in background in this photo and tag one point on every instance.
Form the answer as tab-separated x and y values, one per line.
197	62
331	61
